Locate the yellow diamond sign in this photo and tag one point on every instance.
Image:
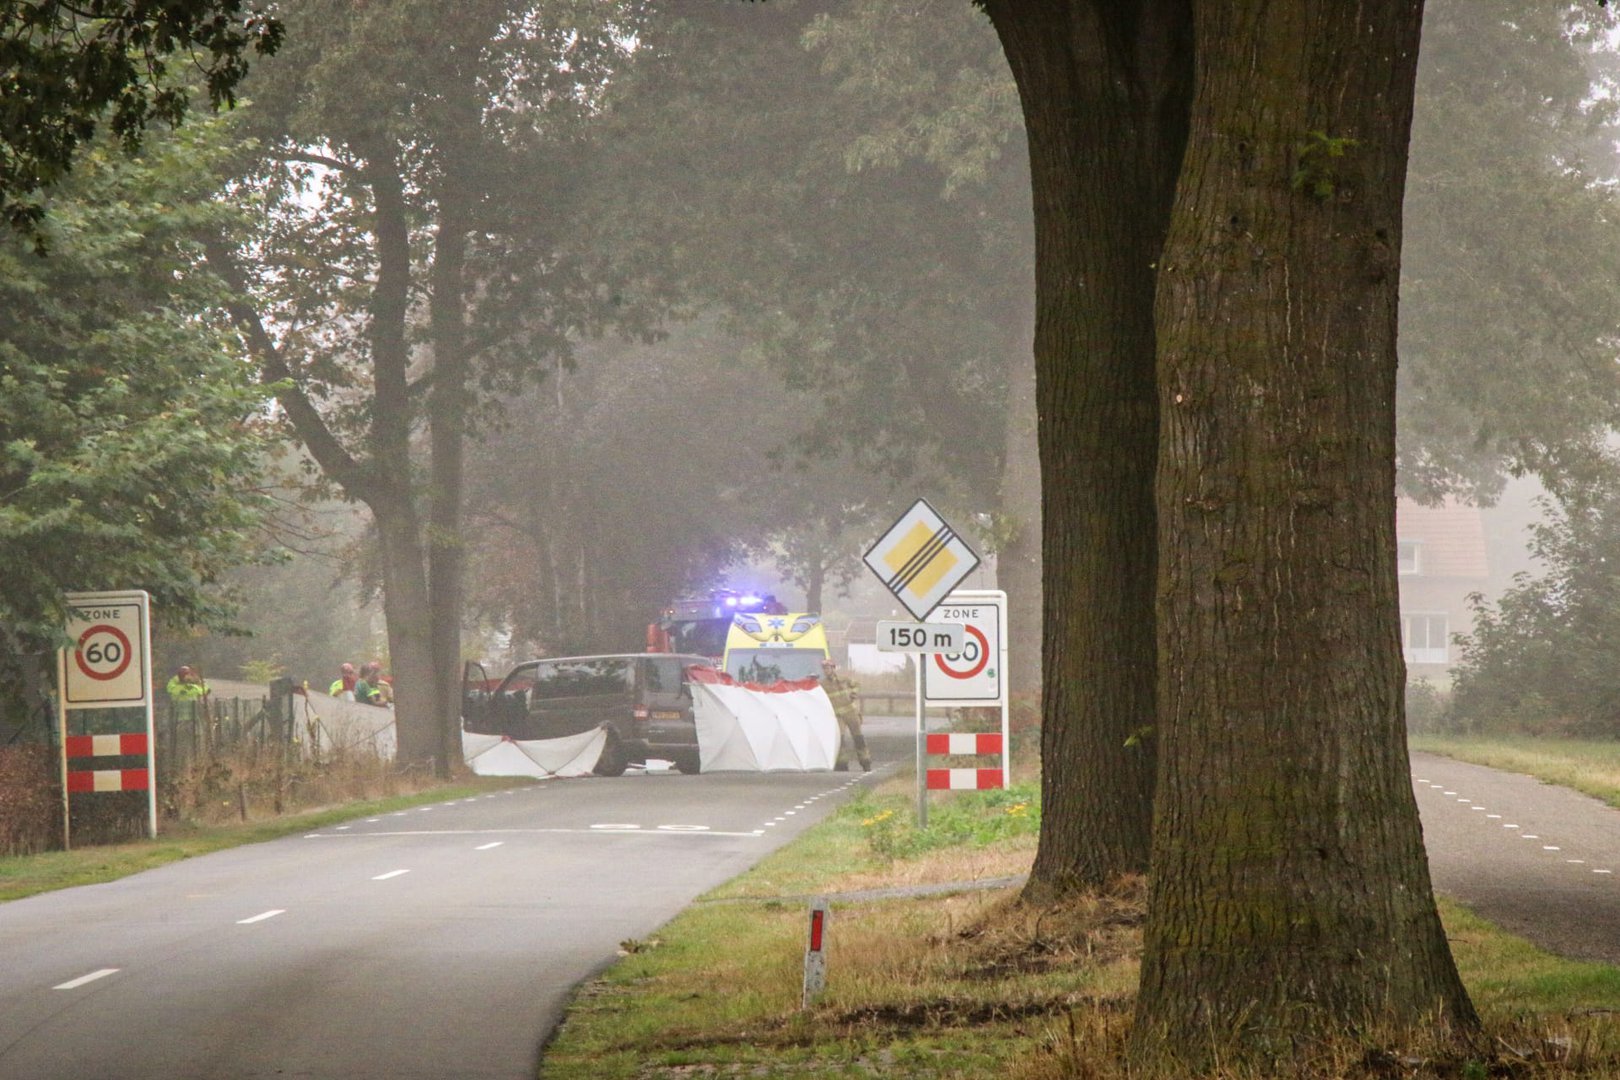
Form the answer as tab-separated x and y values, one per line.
921	559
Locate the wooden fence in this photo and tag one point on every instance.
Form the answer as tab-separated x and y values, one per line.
192	731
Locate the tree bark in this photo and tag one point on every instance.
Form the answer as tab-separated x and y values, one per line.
406	619
1018	563
1290	893
447	432
1104	88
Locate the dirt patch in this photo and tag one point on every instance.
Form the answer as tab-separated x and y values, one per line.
948	1012
1097	928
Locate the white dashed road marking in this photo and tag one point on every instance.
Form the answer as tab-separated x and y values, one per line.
491	844
390	874
263	915
1509	825
74	984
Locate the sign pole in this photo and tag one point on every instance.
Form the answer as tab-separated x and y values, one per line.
61	749
1006	703
149	692
922	745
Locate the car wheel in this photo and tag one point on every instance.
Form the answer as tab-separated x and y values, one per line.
613	760
691	764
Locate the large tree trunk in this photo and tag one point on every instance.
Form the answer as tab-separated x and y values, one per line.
447	428
1018	563
405	615
1290	892
1104	88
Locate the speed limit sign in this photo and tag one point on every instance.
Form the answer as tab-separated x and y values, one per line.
106	666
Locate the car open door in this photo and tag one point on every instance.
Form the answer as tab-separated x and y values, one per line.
476	692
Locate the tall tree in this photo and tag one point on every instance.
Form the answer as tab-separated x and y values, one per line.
418	253
130	425
64	65
1105	90
1290	892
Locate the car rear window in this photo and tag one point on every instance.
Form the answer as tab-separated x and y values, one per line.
581	678
664	675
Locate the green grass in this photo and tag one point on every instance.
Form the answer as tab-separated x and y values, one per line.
26	875
720	986
1587	765
971	984
1510	978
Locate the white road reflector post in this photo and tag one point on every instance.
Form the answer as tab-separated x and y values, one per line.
815	953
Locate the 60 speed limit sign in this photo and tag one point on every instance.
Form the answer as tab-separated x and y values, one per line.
974	675
106	666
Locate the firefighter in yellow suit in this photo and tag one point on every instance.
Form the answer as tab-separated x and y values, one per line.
846	703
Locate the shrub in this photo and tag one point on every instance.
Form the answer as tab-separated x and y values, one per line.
30	800
1541	660
1427	707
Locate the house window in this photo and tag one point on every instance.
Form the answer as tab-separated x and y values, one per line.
1407	557
1424	637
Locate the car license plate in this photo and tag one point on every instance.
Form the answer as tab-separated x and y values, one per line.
666	714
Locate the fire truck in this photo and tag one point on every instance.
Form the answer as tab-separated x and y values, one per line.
698	625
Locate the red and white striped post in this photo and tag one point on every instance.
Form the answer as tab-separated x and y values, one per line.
815	953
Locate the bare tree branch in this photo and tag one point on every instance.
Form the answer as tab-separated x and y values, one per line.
306	419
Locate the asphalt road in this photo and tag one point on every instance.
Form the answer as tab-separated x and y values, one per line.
1539	860
444	941
432	943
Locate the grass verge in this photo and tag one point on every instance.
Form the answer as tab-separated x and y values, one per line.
1588	765
25	875
971	983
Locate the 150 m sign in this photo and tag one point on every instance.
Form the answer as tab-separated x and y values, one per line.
920	637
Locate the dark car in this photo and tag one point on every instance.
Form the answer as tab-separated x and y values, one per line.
644	700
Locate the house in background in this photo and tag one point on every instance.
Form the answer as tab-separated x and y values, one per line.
1442	557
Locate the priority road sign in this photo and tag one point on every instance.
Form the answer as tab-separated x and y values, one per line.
921	559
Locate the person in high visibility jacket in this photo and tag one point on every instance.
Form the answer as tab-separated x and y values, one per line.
343	685
846	702
187	692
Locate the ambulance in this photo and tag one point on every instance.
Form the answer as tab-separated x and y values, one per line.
764	648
